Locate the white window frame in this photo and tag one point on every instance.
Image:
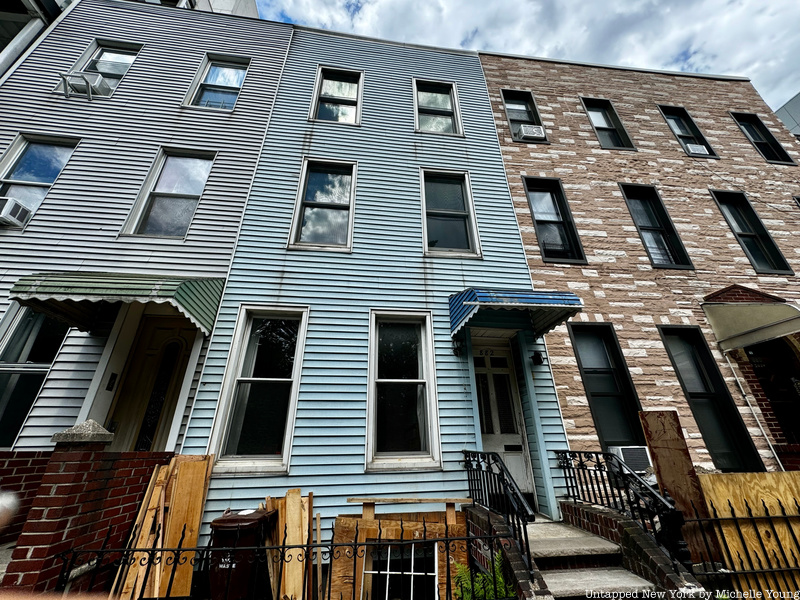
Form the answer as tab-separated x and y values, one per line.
297	222
90	52
472	221
202	71
142	201
410	462
459	127
236	356
14	152
312	112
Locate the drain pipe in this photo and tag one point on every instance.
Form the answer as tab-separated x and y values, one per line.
755	415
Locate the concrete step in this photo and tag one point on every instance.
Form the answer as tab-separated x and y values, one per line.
559	540
575	583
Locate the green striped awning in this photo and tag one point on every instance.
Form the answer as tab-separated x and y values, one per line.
72	296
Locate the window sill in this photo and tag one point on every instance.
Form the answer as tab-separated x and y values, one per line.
712	157
156	238
675	267
773	272
623	148
565	261
379	465
356	124
782	162
456	254
443	133
209	108
249	467
538	142
304	247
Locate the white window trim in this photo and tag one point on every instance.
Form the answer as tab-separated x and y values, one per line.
459	132
472	221
80	64
414	462
297	224
134	219
200	75
222	423
312	111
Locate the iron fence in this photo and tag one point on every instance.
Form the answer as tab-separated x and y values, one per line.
415	564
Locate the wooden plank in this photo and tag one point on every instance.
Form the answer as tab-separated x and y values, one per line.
185	508
293	570
450	510
368	510
410	500
320	583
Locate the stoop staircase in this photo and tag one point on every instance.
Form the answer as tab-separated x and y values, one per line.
573	562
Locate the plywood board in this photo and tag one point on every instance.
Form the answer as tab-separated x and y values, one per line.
757	544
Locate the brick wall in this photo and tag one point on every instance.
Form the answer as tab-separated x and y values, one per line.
619	285
21	472
86	495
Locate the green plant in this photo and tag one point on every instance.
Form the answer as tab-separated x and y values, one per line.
482	585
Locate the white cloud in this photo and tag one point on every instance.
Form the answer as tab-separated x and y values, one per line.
759	39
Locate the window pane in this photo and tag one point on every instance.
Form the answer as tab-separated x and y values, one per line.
600	118
40	162
601	382
168	216
183	175
613	416
484	403
643	213
544	206
609	138
340	88
505	408
691	371
211	98
436	123
657	245
343	113
113	62
329	184
736	218
225	75
399	351
757	253
48	334
678	125
20	391
592	351
30	196
440	100
259	419
271	348
752	131
444	194
327	226
448	233
554	240
401	418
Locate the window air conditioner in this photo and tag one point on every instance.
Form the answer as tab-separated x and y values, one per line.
637	458
697	148
13	213
531	132
84	82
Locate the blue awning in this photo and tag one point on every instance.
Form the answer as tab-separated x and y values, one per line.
547	309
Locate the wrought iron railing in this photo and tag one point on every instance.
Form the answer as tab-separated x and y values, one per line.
370	565
492	487
602	478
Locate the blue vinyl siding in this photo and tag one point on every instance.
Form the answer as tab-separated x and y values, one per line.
385	270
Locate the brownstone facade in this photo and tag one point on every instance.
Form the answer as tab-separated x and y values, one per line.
618	284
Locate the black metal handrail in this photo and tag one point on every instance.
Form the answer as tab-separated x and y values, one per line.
602	478
492	487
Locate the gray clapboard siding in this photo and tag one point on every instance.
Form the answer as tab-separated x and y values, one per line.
78	226
386	268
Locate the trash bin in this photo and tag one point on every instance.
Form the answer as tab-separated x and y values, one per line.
240	574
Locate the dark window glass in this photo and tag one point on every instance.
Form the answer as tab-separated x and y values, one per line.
658	234
611	396
325	210
687	132
606	124
436	108
447	213
521	111
338	96
762	138
756	242
724	434
555	230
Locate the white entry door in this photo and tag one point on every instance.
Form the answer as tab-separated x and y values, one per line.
502	426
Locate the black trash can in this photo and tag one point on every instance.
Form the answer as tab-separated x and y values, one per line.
240	574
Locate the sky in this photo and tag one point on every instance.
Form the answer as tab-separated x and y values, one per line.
759	39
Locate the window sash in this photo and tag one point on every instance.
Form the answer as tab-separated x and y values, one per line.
466	235
567	247
337	235
442	114
762	138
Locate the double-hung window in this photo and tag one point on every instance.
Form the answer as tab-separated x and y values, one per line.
661	240
436	107
264	391
338	96
526	126
26	355
220	83
724	433
324	215
762	138
612	398
169	201
552	220
688	133
606	123
753	237
402	415
449	221
29	169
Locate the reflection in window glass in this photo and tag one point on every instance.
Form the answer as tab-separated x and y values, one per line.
325	207
435	107
112	64
29	178
220	86
447	213
338	96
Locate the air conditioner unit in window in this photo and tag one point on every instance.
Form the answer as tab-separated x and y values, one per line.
84	82
637	458
697	148
13	213
531	132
